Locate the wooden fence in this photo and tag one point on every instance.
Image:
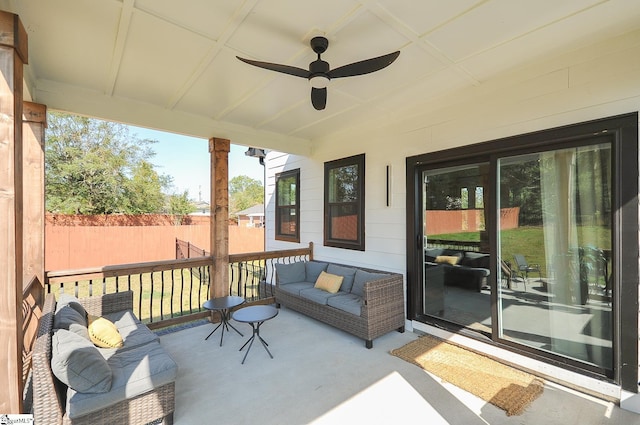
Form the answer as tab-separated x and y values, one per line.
69	246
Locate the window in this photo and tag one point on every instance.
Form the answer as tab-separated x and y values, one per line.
288	206
344	203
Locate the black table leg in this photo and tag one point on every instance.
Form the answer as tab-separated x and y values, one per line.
224	322
256	333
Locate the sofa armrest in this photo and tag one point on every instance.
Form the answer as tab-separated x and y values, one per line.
381	292
108	303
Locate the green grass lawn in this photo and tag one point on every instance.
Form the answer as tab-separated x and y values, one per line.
529	241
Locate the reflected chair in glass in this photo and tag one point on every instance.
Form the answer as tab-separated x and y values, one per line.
523	268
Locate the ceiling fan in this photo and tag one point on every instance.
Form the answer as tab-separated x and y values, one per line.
319	72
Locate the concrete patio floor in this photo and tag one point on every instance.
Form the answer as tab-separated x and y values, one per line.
320	375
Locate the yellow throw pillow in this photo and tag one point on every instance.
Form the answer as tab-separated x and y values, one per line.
449	259
329	282
103	333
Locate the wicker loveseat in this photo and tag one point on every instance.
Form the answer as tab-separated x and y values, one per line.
368	304
131	384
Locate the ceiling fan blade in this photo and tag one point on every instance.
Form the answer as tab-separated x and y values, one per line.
319	98
364	67
285	69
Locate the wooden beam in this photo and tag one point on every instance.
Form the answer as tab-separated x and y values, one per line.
34	121
14	36
13	52
219	151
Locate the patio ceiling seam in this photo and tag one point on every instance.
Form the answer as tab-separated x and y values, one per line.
116	58
238	17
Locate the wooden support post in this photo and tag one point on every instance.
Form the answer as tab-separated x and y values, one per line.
13	54
34	117
219	150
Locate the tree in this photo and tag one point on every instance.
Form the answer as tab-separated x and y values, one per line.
244	192
97	167
144	189
179	204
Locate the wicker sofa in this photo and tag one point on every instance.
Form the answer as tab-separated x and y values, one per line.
368	304
132	384
469	270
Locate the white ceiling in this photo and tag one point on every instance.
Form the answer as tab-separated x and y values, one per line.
171	65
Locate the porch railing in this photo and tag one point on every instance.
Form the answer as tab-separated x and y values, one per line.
162	290
450	244
252	275
172	291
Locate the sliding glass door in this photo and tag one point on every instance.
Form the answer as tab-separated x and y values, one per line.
456	251
533	241
559	298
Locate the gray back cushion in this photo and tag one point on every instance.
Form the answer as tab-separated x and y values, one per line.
69	319
361	278
78	364
313	270
71	301
290	273
348	273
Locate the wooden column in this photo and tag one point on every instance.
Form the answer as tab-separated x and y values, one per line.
219	151
13	54
34	118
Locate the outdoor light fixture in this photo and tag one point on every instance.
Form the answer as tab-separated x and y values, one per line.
256	153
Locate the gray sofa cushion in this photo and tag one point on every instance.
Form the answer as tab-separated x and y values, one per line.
475	259
71	301
347	272
78	364
135	372
68	318
133	332
291	273
350	303
317	295
295	288
361	278
313	270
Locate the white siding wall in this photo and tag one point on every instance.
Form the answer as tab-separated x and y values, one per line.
594	82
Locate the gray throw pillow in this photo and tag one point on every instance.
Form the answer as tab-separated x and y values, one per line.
69	319
290	273
71	301
348	273
77	363
313	270
363	277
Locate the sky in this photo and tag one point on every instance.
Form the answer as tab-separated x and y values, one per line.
186	159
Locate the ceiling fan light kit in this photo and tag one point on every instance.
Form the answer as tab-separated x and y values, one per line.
319	73
319	81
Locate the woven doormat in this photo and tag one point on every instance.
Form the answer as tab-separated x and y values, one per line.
505	387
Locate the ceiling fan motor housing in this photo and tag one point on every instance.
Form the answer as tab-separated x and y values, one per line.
318	67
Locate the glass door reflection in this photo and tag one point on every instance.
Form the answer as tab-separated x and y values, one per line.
456	250
559	299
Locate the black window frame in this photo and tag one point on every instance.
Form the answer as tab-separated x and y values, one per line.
279	235
359	243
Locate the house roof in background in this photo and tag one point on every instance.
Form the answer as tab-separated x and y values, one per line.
254	211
